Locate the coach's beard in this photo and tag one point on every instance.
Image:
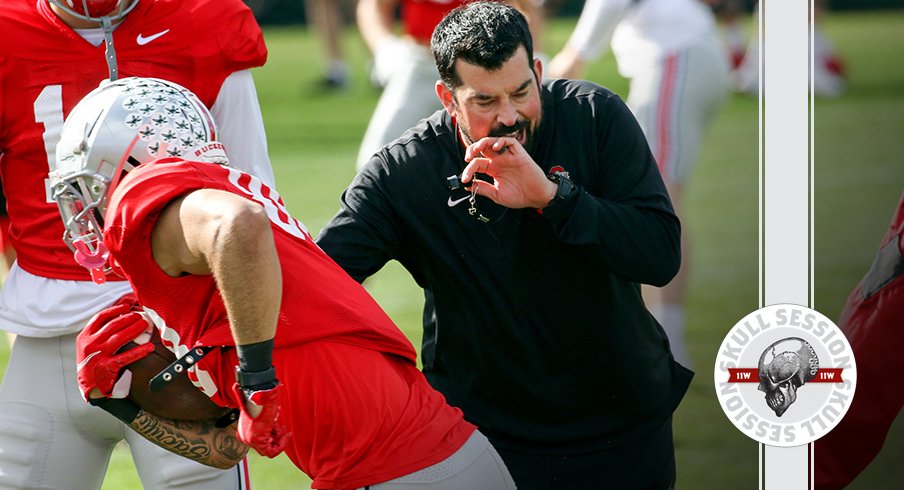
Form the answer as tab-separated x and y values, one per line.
521	131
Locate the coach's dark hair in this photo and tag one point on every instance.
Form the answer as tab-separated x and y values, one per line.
485	34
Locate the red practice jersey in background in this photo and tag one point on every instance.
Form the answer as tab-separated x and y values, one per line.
420	17
359	409
46	68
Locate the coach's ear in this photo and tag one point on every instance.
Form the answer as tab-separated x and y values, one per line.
446	97
538	70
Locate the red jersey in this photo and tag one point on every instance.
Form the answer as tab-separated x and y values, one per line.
320	301
46	68
420	17
359	409
871	321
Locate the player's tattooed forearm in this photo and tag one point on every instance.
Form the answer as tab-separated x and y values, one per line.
178	439
227	444
200	441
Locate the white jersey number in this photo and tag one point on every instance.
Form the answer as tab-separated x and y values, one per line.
49	112
272	203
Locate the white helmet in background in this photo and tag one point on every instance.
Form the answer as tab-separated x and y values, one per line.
115	128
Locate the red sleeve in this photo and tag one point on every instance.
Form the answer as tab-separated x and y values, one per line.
224	38
141	196
242	42
232	39
871	320
200	43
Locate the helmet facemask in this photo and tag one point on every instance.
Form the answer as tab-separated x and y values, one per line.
115	128
82	200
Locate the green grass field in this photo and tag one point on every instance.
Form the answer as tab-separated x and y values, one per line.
859	176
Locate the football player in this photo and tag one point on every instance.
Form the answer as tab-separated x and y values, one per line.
53	53
829	71
326	20
265	320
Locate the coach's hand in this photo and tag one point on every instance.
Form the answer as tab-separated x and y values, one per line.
259	424
99	366
518	182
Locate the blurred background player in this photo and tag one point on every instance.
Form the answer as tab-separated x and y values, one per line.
326	18
829	75
671	53
403	65
49	438
729	14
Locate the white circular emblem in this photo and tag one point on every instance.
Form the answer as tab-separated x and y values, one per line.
785	375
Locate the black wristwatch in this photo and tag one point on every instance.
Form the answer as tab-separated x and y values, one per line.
564	191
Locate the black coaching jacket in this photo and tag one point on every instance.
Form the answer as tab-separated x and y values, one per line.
534	323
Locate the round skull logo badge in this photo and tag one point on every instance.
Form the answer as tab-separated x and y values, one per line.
785	375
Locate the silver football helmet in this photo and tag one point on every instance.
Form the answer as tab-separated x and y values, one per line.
115	128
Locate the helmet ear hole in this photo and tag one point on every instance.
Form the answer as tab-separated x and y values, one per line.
132	163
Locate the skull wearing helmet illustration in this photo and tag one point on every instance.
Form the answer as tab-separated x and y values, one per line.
784	367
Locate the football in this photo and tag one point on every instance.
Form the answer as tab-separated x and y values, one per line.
180	399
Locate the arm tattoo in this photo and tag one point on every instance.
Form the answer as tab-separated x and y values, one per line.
196	440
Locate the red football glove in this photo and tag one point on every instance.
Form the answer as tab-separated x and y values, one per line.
99	365
265	432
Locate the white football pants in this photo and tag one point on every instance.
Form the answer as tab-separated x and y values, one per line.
51	438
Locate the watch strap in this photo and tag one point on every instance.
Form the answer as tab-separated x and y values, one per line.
565	191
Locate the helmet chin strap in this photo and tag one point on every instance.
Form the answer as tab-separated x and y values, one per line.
106	23
110	52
